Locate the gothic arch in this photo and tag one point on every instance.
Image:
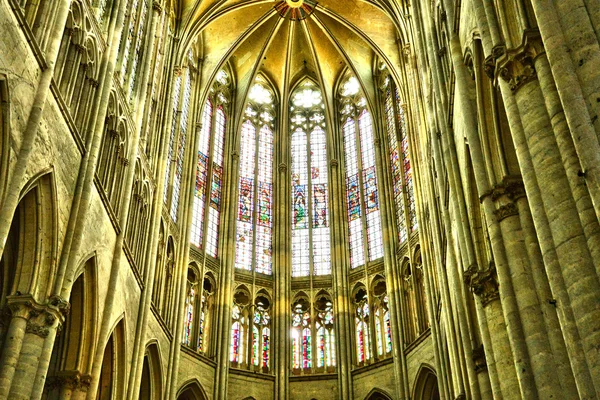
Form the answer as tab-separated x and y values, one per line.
152	385
426	384
378	394
192	390
74	344
112	374
28	264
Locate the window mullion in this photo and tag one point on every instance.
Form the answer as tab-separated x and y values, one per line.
255	209
361	189
309	192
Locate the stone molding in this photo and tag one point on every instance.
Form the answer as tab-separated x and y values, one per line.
40	317
483	282
73	380
516	66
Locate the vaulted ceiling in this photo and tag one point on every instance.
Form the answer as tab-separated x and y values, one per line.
264	36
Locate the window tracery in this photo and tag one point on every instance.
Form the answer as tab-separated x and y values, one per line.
250	345
311	248
362	192
198	308
209	169
255	200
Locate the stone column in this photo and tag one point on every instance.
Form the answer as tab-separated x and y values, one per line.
518	71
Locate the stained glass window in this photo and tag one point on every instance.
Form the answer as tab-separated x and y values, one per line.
189	316
206	217
362	192
311	248
361	320
261	337
301	336
137	57
383	328
255	199
183	127
325	334
176	96
236	348
129	37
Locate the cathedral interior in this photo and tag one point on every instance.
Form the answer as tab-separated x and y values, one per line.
259	199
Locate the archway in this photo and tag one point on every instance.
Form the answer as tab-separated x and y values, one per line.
378	394
151	385
426	385
192	391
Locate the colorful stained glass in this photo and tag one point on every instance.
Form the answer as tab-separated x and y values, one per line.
201	176
325	337
363	343
353	190
189	317
300	207
301	337
183	122
176	95
236	348
320	206
255	208
217	181
371	193
395	164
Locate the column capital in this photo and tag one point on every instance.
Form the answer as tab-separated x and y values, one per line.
478	355
483	282
516	66
506	211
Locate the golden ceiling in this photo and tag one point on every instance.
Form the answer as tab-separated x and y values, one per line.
252	37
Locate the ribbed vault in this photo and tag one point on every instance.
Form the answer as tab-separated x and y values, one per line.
251	37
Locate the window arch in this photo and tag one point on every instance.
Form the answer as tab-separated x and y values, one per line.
132	45
362	193
255	216
198	310
362	329
313	334
400	160
311	248
381	317
250	346
182	96
301	334
209	170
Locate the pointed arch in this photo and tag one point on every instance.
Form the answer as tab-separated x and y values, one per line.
151	387
378	394
112	375
192	390
75	342
28	263
426	384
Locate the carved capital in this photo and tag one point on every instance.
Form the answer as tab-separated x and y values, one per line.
483	282
514	188
156	6
334	163
72	380
506	211
516	66
489	66
235	156
283	168
406	49
442	51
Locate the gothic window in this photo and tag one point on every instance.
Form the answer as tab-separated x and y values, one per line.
301	335
198	306
131	45
261	333
325	333
381	316
400	162
179	135
163	287
114	150
254	214
311	248
410	304
313	334
362	192
362	318
139	215
209	170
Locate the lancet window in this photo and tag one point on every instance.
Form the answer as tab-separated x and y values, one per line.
313	334
400	160
209	169
198	309
362	319
182	96
362	192
131	45
255	200
311	248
